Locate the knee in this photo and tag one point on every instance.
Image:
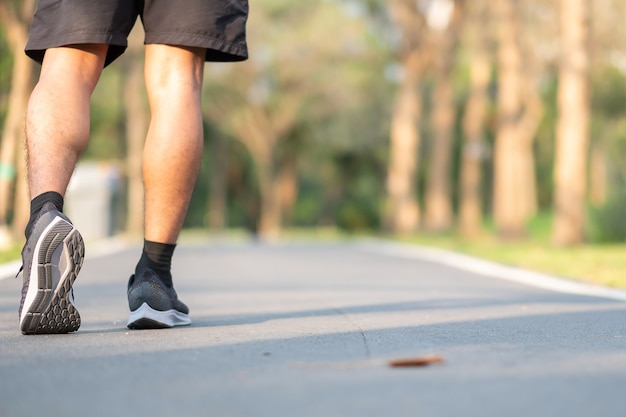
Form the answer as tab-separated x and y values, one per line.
79	66
174	73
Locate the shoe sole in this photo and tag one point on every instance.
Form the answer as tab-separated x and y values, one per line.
146	317
58	257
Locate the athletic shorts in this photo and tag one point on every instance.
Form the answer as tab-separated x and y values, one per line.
217	25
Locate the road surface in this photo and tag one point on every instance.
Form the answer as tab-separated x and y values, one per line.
307	329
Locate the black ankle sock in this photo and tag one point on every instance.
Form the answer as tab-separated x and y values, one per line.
37	204
158	257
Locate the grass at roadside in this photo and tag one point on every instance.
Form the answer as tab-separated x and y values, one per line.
600	264
10	254
595	264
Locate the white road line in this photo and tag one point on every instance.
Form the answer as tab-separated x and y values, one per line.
489	269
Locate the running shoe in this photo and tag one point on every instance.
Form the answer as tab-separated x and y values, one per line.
51	259
153	305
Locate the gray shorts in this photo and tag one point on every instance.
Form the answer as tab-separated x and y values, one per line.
218	25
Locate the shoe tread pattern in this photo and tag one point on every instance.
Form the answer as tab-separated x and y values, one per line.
52	312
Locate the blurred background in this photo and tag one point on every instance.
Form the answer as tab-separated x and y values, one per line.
470	119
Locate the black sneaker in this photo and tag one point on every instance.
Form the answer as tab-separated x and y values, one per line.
51	258
153	305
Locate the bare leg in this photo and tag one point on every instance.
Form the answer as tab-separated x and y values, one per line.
57	127
173	148
57	119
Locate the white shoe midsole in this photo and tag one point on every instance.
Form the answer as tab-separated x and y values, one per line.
169	318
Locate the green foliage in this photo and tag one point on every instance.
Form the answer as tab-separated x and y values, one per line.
242	195
10	254
362	191
329	59
608	96
607	223
328	72
608	131
6	66
107	140
355	216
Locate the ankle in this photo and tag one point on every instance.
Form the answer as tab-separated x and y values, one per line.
158	258
45	201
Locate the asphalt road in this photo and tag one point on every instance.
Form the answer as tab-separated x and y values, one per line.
308	329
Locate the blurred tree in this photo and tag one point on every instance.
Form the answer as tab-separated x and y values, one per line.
519	112
15	19
572	125
477	32
444	22
302	78
607	67
402	213
326	119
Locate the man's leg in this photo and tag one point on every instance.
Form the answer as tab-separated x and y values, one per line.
173	149
57	120
171	161
57	131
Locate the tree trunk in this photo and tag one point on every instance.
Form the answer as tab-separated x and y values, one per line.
402	211
288	188
470	206
572	134
278	192
13	136
136	128
270	217
438	199
438	206
510	152
256	128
